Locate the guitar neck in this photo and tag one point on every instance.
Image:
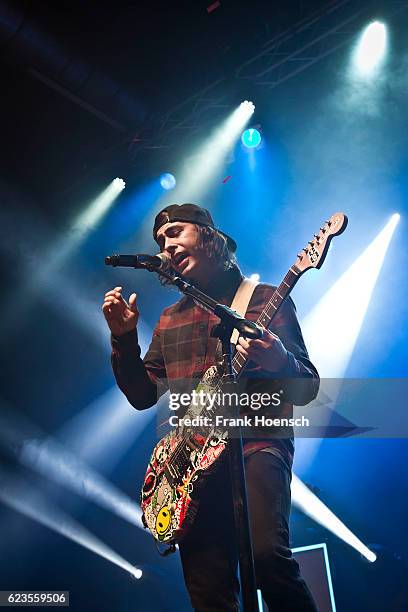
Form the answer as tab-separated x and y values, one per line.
270	310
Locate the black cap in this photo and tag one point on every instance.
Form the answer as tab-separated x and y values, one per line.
188	213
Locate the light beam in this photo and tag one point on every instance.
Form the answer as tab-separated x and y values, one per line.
311	505
337	318
23	498
207	161
52	460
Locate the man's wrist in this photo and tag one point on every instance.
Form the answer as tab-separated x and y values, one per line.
124	340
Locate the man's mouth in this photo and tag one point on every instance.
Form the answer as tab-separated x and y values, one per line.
178	259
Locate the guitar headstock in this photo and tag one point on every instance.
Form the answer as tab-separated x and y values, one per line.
314	254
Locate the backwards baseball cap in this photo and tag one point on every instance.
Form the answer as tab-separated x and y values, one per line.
188	213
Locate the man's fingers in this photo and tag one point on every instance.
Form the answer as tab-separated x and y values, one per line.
108	314
252	345
111	299
116	291
108	303
243	342
113	307
115	295
132	302
267	335
107	310
119	289
242	350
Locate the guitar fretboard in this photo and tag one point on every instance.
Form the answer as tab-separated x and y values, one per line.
270	310
264	320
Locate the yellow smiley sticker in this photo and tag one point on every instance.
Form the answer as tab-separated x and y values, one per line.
163	520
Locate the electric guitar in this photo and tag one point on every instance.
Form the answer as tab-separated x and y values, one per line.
183	458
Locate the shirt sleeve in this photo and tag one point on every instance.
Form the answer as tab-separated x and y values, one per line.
299	378
143	381
302	378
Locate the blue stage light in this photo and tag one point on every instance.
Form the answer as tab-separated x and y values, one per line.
251	138
167	181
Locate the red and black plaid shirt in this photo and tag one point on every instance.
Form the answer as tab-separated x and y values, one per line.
182	349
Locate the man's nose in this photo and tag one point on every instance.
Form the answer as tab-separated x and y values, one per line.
170	247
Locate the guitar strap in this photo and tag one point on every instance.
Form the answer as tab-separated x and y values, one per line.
241	301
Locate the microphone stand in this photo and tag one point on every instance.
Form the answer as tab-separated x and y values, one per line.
230	320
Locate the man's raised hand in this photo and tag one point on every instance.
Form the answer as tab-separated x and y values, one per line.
121	316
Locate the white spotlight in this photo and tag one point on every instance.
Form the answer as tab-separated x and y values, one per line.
57	463
311	505
207	162
24	498
336	320
255	277
247	107
343	308
371	49
96	210
136	573
119	183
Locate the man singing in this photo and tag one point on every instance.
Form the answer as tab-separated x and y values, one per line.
183	349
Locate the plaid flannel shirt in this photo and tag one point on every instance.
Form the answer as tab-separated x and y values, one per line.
182	349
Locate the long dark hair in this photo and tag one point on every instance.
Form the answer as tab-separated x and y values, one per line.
215	246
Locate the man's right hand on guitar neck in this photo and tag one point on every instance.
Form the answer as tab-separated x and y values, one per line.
121	316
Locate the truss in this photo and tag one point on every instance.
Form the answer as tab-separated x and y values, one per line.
281	58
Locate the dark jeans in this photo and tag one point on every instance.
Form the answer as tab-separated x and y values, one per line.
208	552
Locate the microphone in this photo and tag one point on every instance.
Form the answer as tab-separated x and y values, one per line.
141	260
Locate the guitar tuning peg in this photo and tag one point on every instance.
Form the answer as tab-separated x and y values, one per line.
304	249
317	237
323	229
300	256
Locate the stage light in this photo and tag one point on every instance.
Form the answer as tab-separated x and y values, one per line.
206	162
42	260
61	249
346	303
136	573
119	183
105	430
255	278
97	209
167	181
260	601
304	499
24	498
54	461
247	107
251	138
336	320
371	49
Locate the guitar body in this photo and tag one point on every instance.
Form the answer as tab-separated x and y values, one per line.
175	472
